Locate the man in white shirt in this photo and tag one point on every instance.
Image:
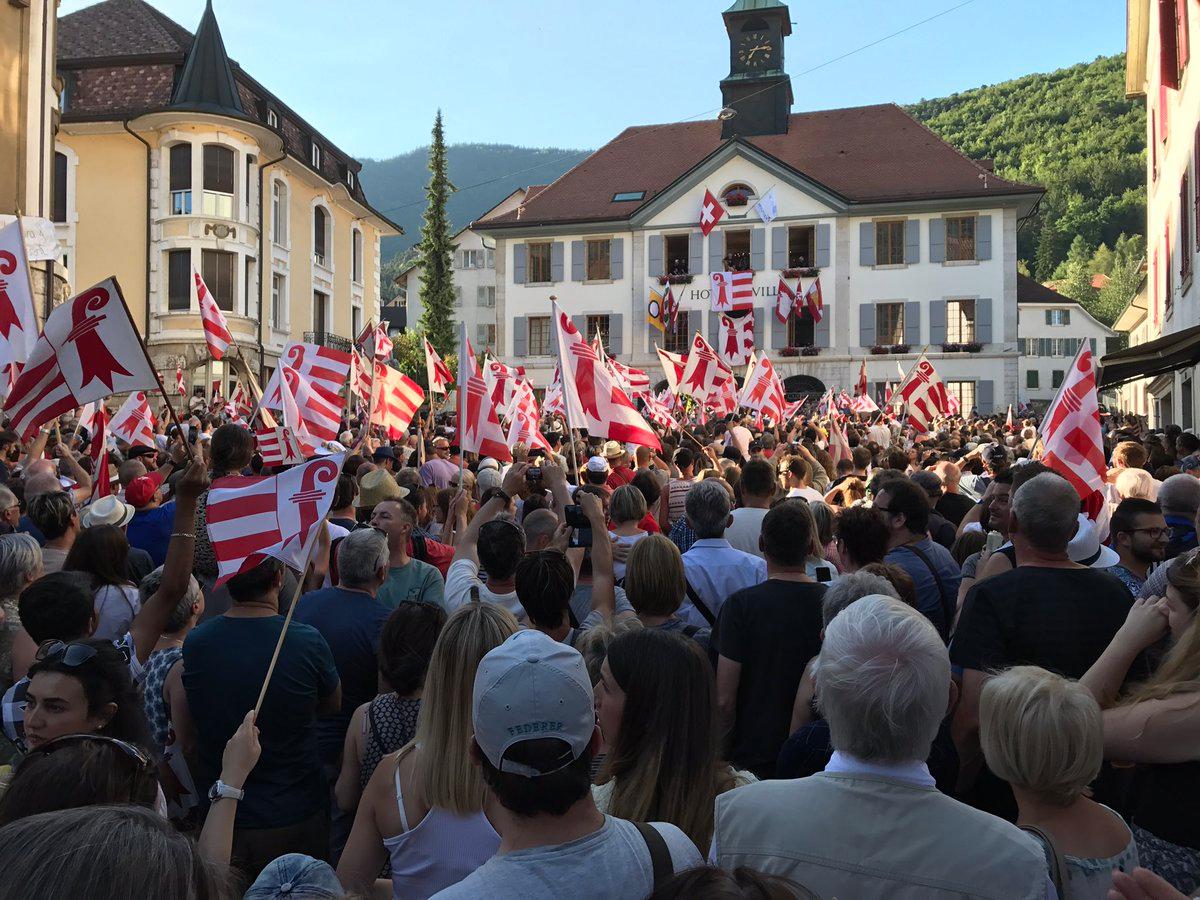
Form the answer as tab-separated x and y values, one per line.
880	434
758	488
739	436
883	676
497	543
713	568
799	480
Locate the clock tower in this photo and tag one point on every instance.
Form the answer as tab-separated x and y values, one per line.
757	87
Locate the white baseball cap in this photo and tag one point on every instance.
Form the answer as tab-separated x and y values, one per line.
529	688
598	464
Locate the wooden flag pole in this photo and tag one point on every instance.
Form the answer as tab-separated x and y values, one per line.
146	353
287	620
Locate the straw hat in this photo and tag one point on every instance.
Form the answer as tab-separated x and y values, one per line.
377	486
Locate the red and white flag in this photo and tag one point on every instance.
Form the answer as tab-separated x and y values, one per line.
785	300
501	381
864	404
324	368
924	395
240	401
88	350
762	390
839	447
313	419
98	450
813	300
397	399
554	394
525	419
361	367
732	291
1071	432
723	399
18	318
1008	421
278	446
670	308
216	329
180	386
437	373
252	519
383	346
134	422
472	356
736	339
478	421
953	407
673	367
658	412
711	212
634	382
592	400
860	389
703	370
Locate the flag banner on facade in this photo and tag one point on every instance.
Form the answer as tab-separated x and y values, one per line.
1071	431
325	368
437	373
654	310
814	301
767	208
216	329
670	308
711	212
88	350
278	446
700	375
134	422
397	399
270	517
479	428
591	398
924	395
18	316
785	300
673	365
736	339
732	291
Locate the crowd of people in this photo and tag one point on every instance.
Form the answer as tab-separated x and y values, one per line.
726	668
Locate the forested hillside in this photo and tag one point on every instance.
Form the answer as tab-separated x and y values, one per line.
1071	131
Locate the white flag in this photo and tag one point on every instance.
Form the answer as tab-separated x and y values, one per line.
18	323
767	208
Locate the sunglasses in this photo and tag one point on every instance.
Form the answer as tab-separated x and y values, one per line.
134	753
71	654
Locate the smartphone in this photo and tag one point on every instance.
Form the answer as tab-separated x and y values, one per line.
581	535
533	475
995	540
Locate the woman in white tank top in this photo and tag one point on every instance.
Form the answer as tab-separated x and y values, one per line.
423	807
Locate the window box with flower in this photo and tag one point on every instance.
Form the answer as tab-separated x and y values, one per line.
967	347
803	272
790	351
810	351
664	280
737	197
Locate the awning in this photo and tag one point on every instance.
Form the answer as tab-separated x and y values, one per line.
1166	354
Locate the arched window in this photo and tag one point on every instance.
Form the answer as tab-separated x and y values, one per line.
738	194
58	205
218	181
279	212
356	256
181	180
321	235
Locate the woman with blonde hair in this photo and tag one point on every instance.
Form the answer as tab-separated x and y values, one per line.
655	586
1043	734
626	509
661	764
423	807
1156	724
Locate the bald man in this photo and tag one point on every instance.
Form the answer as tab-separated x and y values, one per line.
952	505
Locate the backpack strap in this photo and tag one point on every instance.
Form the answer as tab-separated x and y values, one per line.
660	855
701	606
1054	860
420	551
948	604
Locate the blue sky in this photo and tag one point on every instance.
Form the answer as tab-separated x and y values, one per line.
569	73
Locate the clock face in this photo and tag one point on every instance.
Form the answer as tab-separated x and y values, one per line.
755	50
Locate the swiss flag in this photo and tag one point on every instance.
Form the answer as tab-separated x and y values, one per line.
711	212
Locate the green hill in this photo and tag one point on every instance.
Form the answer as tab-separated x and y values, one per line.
1071	131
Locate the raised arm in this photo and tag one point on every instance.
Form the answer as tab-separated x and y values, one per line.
74	471
148	626
468	539
237	762
603	586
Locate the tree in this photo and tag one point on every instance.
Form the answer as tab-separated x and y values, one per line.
1102	260
409	351
1078	271
1023	268
1043	262
435	252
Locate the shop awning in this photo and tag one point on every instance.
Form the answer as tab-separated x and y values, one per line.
1166	354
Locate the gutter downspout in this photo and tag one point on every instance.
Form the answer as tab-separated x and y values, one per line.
146	144
262	263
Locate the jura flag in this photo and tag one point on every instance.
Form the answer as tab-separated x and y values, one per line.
703	370
326	369
1071	432
592	400
924	395
767	208
633	382
98	451
732	291
736	339
278	446
711	212
554	394
216	329
18	321
785	300
88	350
180	386
478	423
1008	421
134	423
860	389
383	344
524	418
763	391
397	399
437	373
252	519
673	365
501	382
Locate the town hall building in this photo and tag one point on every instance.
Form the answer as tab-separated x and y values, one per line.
914	243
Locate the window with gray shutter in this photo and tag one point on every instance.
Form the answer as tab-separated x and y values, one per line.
716	252
654	256
695	253
578	261
617	261
937	320
616	334
983	320
912	241
822	261
821	336
758	253
985	397
983	238
520	253
779	331
866	324
937	240
866	247
779	247
912	323
520	336
556	261
760	317
714	326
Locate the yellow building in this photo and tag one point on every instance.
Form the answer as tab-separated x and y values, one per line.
173	158
28	118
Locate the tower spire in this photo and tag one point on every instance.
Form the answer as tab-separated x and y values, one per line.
206	83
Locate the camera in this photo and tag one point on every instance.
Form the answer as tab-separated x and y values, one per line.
533	475
581	536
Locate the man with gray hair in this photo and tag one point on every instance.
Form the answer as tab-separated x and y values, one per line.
712	567
1179	497
1048	611
10	511
872	824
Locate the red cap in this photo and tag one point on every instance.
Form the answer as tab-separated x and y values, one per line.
141	490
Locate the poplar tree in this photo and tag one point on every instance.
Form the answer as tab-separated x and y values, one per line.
435	253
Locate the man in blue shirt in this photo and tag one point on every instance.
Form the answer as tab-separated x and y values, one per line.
286	804
150	528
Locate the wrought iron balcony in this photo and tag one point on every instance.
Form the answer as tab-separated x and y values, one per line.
328	339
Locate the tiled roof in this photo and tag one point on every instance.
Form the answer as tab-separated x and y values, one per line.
1030	290
120	56
865	154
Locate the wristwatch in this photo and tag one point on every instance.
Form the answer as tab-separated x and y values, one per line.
222	791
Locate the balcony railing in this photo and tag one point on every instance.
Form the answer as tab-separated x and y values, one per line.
328	339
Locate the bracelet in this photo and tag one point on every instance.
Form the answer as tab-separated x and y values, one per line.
183	534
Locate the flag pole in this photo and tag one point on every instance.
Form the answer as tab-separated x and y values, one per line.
146	353
29	272
1037	438
564	370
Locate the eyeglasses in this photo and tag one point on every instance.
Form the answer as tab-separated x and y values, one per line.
1154	532
73	655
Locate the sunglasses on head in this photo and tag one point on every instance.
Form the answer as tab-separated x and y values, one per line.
74	654
67	740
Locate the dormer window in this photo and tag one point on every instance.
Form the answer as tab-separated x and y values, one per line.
350	179
272	119
315	156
